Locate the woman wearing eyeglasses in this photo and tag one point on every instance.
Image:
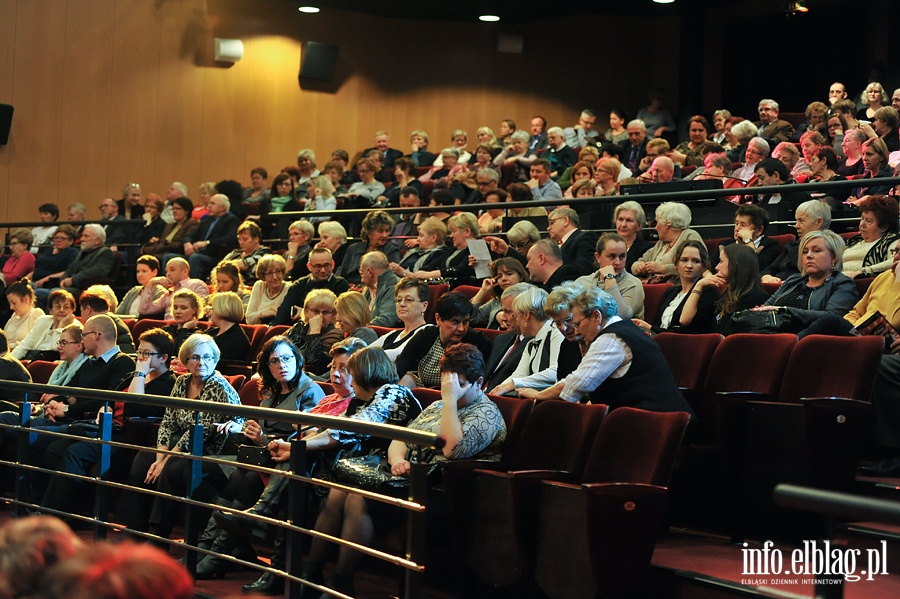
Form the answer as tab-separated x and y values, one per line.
315	333
226	312
21	262
411	297
40	344
282	386
269	291
167	473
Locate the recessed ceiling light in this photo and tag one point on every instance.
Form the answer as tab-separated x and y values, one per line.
664	1
309	9
489	18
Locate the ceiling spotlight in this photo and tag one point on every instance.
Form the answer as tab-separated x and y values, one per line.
489	18
310	10
796	7
663	1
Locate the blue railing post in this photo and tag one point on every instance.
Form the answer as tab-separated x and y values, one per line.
194	480
416	523
22	439
295	515
101	496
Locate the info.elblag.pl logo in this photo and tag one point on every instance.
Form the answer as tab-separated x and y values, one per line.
815	559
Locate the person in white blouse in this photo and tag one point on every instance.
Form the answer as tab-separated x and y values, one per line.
43	337
539	362
20	296
268	291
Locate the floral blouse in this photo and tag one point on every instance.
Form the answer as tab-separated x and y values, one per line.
175	429
484	430
391	404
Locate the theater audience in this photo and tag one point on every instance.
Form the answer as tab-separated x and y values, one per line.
736	281
296	257
812	215
321	267
41	341
378	288
226	277
417	364
24	314
269	290
673	221
546	267
172	239
148	298
537	368
314	333
819	288
187	307
333	237
411	297
225	311
875	160
622	366
353	316
868	253
455	266
505	272
163	471
677	314
611	254
473	428
375	234
750	222
53	264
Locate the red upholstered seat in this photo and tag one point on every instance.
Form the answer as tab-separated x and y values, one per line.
143	325
41	370
436	292
653	295
783	240
250	394
831	366
689	357
468	290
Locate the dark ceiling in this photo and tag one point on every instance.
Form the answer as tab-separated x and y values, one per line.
509	11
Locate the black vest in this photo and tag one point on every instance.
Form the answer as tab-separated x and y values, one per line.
648	384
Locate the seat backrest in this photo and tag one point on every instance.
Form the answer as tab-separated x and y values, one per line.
255	334
831	366
557	436
41	370
712	245
250	394
491	334
782	240
636	446
143	325
688	356
749	362
236	380
328	388
515	412
653	296
426	396
436	292
382	331
469	291
862	284
274	331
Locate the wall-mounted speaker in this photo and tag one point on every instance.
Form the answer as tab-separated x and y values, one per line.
6	111
317	61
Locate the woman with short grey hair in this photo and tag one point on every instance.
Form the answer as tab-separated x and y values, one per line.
672	223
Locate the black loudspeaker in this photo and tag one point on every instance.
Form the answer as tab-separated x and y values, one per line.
317	61
6	111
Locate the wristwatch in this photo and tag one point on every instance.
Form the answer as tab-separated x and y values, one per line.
610	276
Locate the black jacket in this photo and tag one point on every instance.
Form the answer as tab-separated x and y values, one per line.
579	250
223	238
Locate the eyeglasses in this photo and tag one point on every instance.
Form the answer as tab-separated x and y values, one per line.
86	333
400	301
564	323
62	238
208	359
578	324
63	343
273	273
316	311
276	360
456	322
319	266
551	221
519	244
147	354
12	243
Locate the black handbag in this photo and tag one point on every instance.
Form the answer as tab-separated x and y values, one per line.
764	321
372	471
254	455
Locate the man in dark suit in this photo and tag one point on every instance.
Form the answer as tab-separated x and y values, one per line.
545	264
406	227
115	225
560	155
508	347
750	222
321	268
575	245
538	139
633	149
215	237
486	181
780	206
382	141
92	261
770	126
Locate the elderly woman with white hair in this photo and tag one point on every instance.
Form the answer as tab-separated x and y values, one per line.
298	249
449	166
673	221
757	149
622	366
539	362
517	154
333	237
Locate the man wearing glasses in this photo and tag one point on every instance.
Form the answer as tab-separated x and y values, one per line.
486	181
769	125
321	269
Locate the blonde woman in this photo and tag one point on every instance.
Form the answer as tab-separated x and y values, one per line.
315	333
353	315
462	227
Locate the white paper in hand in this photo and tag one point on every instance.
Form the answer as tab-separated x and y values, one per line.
479	249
